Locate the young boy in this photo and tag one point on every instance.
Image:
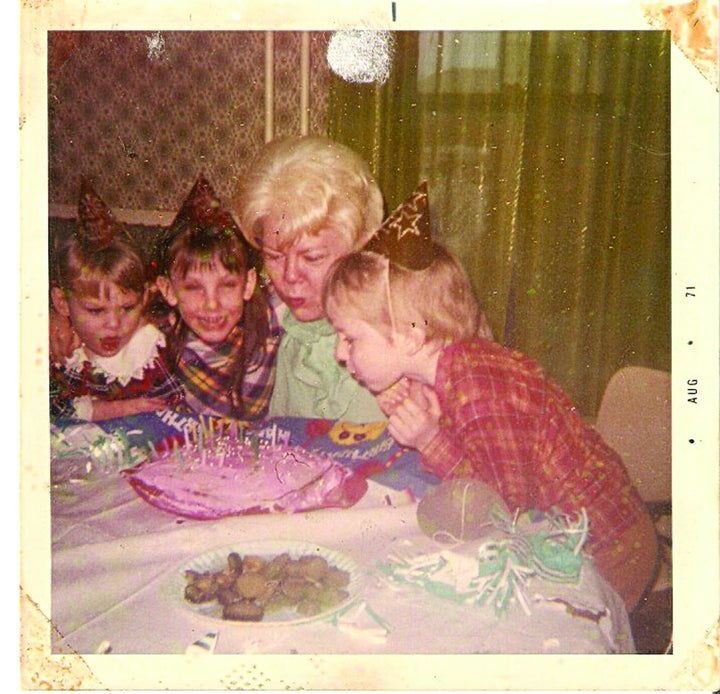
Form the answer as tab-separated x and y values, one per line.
477	409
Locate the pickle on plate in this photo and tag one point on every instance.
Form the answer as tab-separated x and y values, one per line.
249	587
243	611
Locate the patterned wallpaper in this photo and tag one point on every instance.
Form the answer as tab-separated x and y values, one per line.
143	113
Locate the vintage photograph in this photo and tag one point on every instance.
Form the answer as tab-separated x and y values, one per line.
360	343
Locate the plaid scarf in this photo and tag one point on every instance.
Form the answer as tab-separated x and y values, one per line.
207	372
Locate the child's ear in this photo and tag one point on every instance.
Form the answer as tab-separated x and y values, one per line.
250	283
59	301
165	287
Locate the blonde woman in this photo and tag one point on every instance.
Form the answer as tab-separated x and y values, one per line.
306	202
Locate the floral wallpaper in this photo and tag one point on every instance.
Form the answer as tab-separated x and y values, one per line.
143	113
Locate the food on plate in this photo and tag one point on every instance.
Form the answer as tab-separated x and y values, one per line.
243	611
250	587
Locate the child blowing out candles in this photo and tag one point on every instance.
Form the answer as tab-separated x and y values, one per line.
224	342
404	308
119	368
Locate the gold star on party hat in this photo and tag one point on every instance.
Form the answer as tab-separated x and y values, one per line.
404	237
97	225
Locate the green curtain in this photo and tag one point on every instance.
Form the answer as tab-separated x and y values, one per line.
383	122
547	156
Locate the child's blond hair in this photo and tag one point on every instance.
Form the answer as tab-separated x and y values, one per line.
438	299
305	184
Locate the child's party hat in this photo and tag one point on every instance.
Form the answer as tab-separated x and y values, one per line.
97	225
404	237
202	207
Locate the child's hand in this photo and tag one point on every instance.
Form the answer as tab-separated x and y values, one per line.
109	409
389	399
63	339
416	421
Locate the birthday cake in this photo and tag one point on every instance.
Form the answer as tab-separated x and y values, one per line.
236	477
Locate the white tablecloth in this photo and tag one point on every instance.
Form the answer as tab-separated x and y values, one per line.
115	557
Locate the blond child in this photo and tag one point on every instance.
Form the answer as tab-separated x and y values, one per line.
118	366
223	341
479	409
306	202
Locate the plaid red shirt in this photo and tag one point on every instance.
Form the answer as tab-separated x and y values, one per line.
156	381
506	423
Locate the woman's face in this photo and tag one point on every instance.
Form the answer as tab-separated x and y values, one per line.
298	271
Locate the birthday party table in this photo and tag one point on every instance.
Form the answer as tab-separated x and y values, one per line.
118	567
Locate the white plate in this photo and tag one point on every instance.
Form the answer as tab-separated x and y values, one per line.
216	560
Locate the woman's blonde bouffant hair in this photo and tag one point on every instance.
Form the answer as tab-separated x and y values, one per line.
305	184
438	299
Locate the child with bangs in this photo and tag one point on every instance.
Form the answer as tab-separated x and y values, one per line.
118	366
224	338
404	309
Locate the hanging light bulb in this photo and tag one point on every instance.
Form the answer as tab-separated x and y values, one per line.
361	55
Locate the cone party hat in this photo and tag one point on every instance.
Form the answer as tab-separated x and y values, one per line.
97	225
404	237
202	206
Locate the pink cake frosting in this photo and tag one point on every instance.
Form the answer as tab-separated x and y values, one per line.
232	478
